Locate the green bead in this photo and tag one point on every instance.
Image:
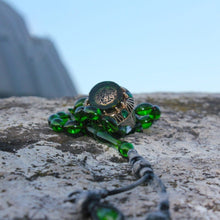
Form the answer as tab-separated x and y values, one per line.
57	124
146	125
107	213
109	124
63	115
73	127
79	102
71	110
155	114
124	113
79	114
145	121
92	112
124	148
143	109
51	117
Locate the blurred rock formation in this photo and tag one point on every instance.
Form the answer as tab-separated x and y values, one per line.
29	65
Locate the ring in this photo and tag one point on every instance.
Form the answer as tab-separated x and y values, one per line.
113	101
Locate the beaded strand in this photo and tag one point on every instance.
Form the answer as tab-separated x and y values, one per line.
89	120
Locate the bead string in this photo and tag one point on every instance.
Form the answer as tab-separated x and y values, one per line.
88	120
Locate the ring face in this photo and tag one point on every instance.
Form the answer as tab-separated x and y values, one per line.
114	101
105	95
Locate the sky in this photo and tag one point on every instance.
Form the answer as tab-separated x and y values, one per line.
143	45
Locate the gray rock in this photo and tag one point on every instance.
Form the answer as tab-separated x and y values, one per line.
29	65
39	168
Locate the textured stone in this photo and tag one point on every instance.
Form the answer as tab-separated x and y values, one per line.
29	65
39	168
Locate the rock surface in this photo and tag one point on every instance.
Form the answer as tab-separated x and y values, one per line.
29	65
39	168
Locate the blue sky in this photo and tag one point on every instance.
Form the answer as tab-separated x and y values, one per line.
143	45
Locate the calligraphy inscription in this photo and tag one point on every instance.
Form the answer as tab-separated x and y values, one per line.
105	96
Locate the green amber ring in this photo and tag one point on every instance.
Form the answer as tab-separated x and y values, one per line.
108	113
113	101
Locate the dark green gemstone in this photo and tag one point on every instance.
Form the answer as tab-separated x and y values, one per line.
57	124
92	112
109	124
73	127
124	148
51	117
79	102
124	113
107	213
79	114
143	109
